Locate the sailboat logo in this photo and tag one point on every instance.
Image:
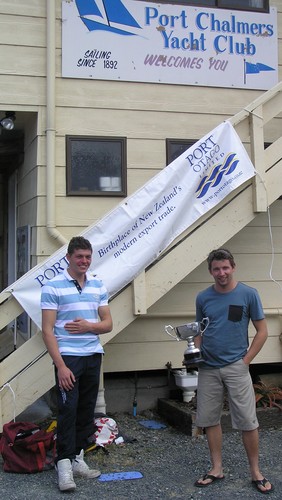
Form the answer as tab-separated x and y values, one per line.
107	15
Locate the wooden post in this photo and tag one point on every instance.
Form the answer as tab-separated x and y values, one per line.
257	153
139	294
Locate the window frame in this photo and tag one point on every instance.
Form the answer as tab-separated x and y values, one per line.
223	4
216	4
69	168
180	142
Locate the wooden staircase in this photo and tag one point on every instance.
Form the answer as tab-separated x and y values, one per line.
27	373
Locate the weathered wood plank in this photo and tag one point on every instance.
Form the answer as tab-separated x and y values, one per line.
155	355
9	309
40	376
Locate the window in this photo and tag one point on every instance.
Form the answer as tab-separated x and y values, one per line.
96	166
175	147
256	5
261	5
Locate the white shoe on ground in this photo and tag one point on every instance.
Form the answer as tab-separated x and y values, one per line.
80	468
65	475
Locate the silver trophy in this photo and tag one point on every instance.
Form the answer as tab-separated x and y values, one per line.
188	331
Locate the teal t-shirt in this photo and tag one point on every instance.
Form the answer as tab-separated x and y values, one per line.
226	338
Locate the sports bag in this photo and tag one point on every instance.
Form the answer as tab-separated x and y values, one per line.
26	448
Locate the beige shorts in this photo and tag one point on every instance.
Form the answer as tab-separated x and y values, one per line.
210	394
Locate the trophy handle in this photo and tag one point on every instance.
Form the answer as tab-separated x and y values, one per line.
169	329
205	323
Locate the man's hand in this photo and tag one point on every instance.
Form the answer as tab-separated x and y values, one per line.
66	378
78	325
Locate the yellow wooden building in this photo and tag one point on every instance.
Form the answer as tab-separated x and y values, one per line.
151	113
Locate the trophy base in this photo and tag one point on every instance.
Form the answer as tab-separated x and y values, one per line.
192	358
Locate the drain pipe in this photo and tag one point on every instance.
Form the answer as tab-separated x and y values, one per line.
50	124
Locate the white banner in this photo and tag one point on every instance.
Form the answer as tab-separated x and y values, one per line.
140	228
139	41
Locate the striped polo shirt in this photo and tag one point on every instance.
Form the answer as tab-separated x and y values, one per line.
62	294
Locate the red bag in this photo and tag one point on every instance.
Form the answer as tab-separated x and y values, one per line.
26	448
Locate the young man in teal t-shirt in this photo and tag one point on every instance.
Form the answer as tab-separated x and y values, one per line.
230	306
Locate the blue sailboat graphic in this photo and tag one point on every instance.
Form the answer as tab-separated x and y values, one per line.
113	16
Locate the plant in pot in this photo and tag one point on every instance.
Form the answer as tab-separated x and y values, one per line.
268	396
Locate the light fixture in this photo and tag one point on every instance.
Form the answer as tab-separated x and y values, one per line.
8	122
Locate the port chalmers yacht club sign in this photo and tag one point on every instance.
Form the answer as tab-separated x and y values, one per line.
132	40
141	227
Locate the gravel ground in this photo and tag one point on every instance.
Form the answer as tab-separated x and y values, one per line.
169	462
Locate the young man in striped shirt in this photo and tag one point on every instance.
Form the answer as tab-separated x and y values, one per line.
75	312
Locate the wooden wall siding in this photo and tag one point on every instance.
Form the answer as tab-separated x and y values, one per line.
251	267
27	213
71	212
91	94
14	60
144	124
182	297
146	114
155	355
275	216
27	179
126	122
146	340
151	329
28	188
149	347
25	8
22	92
27	31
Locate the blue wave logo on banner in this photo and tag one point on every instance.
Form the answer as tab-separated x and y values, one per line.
108	15
211	181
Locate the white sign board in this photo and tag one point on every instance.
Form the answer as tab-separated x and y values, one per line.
139	41
142	226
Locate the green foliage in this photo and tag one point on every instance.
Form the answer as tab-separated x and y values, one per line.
268	396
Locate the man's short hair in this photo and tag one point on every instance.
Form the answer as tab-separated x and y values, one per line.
220	254
79	243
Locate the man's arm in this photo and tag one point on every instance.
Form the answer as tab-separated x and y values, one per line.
65	376
199	317
198	341
80	325
106	323
258	340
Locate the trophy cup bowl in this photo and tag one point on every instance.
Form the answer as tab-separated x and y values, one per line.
188	331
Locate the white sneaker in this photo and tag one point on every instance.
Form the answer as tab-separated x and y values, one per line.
80	468
65	475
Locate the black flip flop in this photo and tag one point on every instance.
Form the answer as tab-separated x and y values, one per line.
212	478
262	482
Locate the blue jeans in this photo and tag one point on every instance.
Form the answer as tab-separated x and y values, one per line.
75	420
